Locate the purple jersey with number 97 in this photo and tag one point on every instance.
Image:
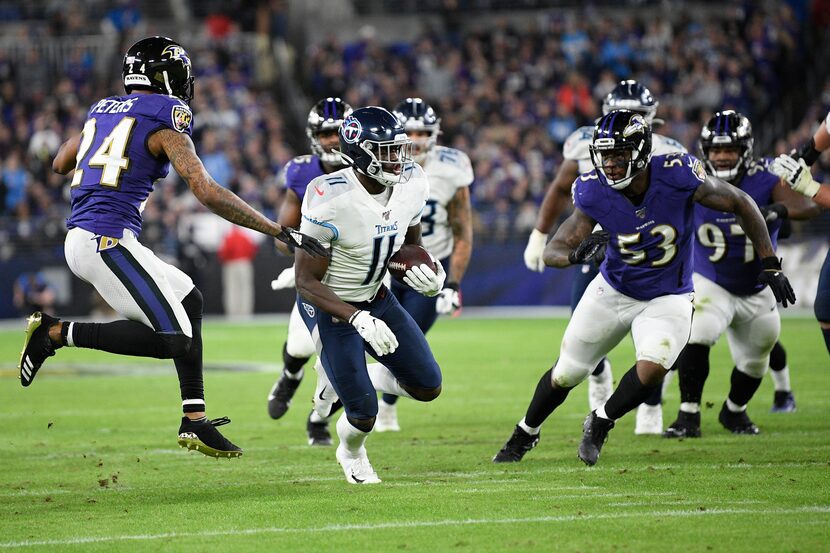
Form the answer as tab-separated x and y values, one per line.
649	252
115	171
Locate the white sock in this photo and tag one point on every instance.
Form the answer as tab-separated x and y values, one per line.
781	379
315	418
70	343
532	430
294	376
735	408
690	407
351	438
384	381
667	380
602	414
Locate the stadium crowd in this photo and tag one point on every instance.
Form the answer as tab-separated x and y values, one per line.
507	96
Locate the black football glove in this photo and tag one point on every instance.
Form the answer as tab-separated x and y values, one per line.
592	249
295	239
772	276
774	212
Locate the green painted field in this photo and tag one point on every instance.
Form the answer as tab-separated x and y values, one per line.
89	461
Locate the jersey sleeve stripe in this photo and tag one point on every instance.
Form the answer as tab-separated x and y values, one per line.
324	224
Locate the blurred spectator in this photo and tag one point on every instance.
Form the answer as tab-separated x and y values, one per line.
237	253
32	292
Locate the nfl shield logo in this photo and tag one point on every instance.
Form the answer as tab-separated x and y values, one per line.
182	117
351	129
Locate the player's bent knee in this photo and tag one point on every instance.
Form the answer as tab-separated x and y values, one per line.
568	375
193	304
423	394
364	425
756	368
174	345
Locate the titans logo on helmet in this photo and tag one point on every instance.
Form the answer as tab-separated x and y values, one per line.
351	130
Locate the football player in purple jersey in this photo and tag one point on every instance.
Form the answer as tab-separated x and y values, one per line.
728	297
323	122
795	170
645	205
129	142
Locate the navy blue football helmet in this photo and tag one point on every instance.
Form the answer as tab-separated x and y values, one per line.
633	96
159	64
326	115
375	144
417	115
625	135
727	129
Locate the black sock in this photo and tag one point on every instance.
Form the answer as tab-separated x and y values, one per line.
743	387
599	368
546	398
777	357
826	333
656	397
189	366
389	399
121	337
292	364
692	371
629	394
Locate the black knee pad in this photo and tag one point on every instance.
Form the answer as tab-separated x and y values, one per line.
777	357
423	394
175	345
364	425
193	304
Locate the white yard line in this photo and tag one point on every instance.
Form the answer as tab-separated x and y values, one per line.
814	509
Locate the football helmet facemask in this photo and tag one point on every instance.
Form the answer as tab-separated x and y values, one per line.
631	95
375	144
622	144
417	116
159	64
326	115
726	129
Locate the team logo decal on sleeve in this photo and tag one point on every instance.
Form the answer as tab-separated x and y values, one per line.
698	170
351	130
182	117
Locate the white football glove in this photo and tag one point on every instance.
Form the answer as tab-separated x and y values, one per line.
534	250
375	332
424	280
796	173
284	280
449	300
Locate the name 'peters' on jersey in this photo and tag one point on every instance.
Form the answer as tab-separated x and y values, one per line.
115	171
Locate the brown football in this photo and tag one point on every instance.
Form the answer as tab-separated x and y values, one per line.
407	257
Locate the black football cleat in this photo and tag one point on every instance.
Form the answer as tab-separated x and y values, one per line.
737	423
36	347
516	447
204	437
687	425
783	402
594	434
280	397
318	432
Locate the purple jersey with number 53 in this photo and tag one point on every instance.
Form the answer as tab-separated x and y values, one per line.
723	253
115	172
649	252
300	171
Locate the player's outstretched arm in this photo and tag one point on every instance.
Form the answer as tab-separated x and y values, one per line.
791	204
568	237
557	198
460	215
179	150
65	158
716	194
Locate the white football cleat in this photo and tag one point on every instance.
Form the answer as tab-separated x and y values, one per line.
387	419
357	471
324	394
649	419
600	387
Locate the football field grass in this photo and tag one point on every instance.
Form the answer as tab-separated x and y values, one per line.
89	461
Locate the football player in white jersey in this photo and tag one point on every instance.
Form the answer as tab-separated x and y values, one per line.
446	227
630	95
322	125
365	213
